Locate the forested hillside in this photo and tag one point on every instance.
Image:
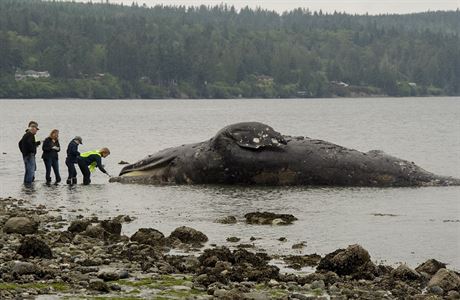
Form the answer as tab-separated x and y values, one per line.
114	51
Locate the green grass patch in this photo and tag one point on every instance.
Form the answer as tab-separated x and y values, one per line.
161	282
102	298
317	292
135	283
61	287
274	293
180	294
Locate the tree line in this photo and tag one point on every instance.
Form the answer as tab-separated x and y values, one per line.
115	51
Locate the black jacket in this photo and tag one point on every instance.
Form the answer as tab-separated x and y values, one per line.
48	151
28	145
72	152
90	159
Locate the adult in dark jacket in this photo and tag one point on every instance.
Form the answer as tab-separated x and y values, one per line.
91	160
72	159
28	146
51	148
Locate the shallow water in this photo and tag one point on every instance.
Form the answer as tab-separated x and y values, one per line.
418	223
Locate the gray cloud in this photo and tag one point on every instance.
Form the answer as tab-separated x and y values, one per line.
349	6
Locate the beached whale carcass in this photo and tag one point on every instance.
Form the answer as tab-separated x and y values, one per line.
253	153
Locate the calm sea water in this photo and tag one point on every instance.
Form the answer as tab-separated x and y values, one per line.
424	130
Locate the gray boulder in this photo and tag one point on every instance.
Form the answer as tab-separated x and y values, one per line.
21	225
108	275
24	268
445	279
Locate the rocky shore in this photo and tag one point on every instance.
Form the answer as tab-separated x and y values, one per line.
44	256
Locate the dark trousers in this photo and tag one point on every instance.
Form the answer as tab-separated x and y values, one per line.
85	171
52	163
71	167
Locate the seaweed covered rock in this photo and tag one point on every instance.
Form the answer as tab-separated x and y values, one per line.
222	265
138	252
354	261
268	218
111	226
430	267
98	285
184	264
96	232
189	235
233	239
148	236
403	272
78	226
227	220
299	261
65	237
32	246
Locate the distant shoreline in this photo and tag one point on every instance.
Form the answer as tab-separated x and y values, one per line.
105	51
242	98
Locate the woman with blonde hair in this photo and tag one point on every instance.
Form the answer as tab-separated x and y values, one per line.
91	160
50	157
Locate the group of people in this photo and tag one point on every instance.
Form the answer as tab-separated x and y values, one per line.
87	161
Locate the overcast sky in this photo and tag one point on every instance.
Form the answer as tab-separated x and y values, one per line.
350	6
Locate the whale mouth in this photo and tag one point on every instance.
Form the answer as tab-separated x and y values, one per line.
146	166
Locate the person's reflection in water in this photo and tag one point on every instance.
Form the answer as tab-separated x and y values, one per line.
28	190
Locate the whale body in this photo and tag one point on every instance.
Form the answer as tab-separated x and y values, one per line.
253	153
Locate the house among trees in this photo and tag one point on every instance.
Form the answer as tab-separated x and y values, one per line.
303	94
31	74
264	79
99	76
340	83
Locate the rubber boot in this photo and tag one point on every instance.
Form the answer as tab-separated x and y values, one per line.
74	180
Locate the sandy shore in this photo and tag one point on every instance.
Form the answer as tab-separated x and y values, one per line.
44	256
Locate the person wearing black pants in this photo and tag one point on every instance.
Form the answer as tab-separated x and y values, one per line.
91	160
51	148
72	159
